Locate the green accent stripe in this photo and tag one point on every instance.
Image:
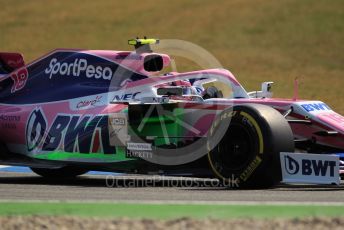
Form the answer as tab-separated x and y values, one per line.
60	156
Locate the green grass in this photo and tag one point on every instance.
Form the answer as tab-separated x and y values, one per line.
257	40
168	211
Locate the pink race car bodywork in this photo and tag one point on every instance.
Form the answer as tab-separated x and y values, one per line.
62	109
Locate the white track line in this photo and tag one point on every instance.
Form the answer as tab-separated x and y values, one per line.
4	166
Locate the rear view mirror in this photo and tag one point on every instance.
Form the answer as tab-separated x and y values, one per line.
170	91
153	63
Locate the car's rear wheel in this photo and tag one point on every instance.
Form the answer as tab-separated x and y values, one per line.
63	172
245	142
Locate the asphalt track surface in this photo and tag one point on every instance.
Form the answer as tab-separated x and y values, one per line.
149	189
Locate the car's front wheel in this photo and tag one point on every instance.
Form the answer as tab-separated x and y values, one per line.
245	142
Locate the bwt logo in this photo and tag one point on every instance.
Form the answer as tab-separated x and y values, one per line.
309	167
291	165
69	133
315	107
76	68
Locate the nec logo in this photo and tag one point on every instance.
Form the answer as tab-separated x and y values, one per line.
309	167
315	107
125	97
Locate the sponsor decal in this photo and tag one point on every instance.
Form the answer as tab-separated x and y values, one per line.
250	168
291	166
139	154
8	126
19	78
155	100
314	107
126	96
77	68
160	100
9	118
117	121
139	146
88	103
310	168
118	128
9	121
35	129
69	133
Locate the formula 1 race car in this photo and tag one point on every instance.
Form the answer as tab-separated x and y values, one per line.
72	111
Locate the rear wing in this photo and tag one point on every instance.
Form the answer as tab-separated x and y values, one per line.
10	62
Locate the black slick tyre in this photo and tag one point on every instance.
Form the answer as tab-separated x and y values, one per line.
244	144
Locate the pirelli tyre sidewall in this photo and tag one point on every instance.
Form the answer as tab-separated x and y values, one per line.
244	143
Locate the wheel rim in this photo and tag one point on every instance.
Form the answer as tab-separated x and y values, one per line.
237	147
